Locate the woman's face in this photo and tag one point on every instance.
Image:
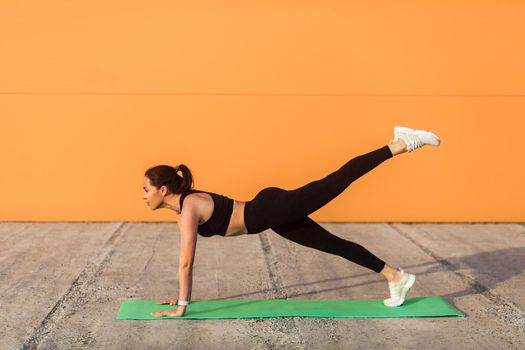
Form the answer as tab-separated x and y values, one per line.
152	195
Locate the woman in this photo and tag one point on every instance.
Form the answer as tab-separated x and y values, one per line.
284	211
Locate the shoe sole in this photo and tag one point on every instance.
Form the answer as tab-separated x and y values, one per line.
406	288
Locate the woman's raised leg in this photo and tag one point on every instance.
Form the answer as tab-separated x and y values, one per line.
275	206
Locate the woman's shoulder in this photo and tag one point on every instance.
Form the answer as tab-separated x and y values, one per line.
196	204
190	205
188	193
195	198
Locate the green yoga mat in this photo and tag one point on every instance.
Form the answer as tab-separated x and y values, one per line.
427	306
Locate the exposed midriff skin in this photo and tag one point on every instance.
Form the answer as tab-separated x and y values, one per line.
205	209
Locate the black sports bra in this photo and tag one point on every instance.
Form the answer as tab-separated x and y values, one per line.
220	218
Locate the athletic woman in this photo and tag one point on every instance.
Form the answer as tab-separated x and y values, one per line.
283	211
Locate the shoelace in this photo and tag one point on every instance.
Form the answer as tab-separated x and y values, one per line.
413	142
395	293
395	289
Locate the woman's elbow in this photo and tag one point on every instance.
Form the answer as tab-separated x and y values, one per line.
185	266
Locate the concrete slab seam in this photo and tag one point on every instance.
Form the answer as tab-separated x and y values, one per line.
276	282
522	224
75	291
505	310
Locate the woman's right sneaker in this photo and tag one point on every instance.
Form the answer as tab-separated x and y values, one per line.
414	138
399	290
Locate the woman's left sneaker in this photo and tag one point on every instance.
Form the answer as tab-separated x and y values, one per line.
415	138
398	290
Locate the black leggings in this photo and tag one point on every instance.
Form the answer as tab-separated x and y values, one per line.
286	211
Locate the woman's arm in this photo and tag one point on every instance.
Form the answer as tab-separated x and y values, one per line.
189	220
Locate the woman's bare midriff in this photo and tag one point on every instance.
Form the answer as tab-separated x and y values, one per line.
235	226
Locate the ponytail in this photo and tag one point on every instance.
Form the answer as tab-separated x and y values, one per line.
166	175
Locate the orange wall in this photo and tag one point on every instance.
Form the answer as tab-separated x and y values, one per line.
261	93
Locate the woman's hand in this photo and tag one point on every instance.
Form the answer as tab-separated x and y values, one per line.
177	312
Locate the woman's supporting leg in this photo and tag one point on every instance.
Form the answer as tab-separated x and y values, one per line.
310	234
275	206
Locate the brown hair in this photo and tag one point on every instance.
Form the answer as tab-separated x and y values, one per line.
166	175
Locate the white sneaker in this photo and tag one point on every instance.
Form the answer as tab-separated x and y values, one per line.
398	290
414	138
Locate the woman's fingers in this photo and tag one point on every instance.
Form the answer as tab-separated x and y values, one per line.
157	314
168	301
164	313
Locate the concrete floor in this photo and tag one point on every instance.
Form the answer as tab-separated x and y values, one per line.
61	285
